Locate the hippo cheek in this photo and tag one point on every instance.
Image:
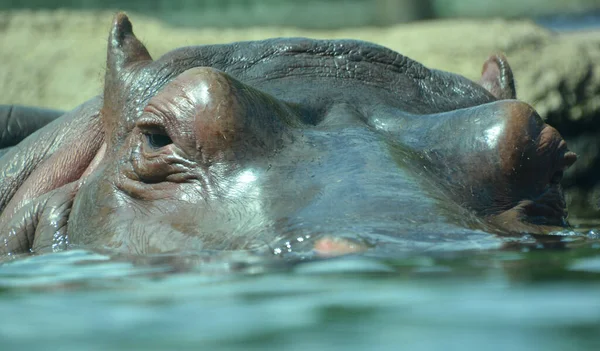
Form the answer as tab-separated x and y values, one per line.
104	217
238	218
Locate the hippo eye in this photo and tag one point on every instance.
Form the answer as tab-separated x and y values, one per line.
158	140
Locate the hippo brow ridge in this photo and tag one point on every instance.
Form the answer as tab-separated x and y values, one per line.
241	56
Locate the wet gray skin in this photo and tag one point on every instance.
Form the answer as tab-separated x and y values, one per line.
284	145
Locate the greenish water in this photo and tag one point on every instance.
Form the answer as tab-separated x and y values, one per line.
526	298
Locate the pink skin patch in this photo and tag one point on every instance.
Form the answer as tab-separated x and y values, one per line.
95	162
335	246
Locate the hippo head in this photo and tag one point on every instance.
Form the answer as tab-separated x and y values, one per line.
307	144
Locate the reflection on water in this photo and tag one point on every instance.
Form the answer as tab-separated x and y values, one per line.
519	299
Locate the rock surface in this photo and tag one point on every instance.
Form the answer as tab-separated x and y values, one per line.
56	59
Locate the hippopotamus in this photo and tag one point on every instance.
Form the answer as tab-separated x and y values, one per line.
281	146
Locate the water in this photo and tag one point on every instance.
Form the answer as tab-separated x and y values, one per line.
521	299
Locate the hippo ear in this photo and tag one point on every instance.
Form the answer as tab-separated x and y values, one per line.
123	47
497	78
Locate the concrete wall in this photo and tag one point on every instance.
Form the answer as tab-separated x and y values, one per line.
312	13
511	8
244	13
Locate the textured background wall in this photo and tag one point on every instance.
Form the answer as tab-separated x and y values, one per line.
311	13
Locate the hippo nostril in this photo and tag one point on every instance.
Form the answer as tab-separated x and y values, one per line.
569	158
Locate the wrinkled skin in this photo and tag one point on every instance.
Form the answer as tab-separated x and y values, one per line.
284	145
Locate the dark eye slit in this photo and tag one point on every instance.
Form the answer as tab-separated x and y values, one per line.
158	140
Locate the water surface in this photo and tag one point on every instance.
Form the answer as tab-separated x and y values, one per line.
543	297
